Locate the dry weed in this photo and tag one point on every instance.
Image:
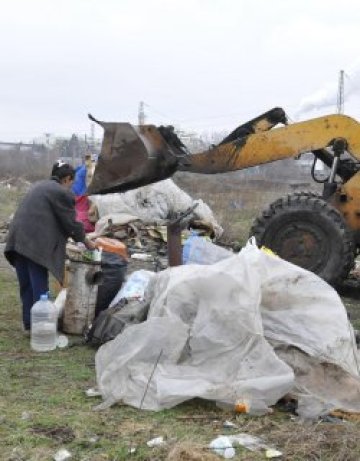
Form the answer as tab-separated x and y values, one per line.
187	451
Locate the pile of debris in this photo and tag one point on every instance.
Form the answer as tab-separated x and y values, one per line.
131	232
139	219
245	331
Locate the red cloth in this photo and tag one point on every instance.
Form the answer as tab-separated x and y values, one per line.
82	208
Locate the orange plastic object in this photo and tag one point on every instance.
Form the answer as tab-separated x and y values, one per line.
241	407
112	246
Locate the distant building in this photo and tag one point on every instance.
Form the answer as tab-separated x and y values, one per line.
22	147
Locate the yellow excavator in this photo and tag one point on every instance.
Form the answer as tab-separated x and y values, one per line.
318	232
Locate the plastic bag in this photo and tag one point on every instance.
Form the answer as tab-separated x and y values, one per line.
153	203
134	287
222	446
112	321
114	269
199	250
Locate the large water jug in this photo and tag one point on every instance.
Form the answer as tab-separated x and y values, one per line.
43	325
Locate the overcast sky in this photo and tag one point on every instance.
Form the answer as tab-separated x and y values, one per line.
204	65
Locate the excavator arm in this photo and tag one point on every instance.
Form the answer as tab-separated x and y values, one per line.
280	143
134	156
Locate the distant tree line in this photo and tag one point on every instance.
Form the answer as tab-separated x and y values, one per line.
34	161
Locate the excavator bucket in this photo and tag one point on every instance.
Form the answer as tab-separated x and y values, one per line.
133	156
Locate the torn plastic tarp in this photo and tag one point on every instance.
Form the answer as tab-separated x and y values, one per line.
215	330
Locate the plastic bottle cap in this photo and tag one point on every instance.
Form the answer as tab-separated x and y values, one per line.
44	297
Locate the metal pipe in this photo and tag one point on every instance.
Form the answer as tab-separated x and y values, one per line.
174	244
334	169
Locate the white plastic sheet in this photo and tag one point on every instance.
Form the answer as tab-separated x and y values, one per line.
152	203
214	329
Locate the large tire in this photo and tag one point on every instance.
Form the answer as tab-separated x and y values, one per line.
306	230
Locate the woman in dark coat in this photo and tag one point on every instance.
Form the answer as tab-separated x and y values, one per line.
37	237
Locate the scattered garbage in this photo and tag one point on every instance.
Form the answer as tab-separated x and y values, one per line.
139	218
252	406
229	425
92	392
223	446
142	256
62	455
271	453
157	442
94	439
62	341
241	407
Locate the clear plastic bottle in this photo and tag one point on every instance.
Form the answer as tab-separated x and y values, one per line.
187	246
43	325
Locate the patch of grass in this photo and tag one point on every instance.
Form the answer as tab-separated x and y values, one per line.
10	198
